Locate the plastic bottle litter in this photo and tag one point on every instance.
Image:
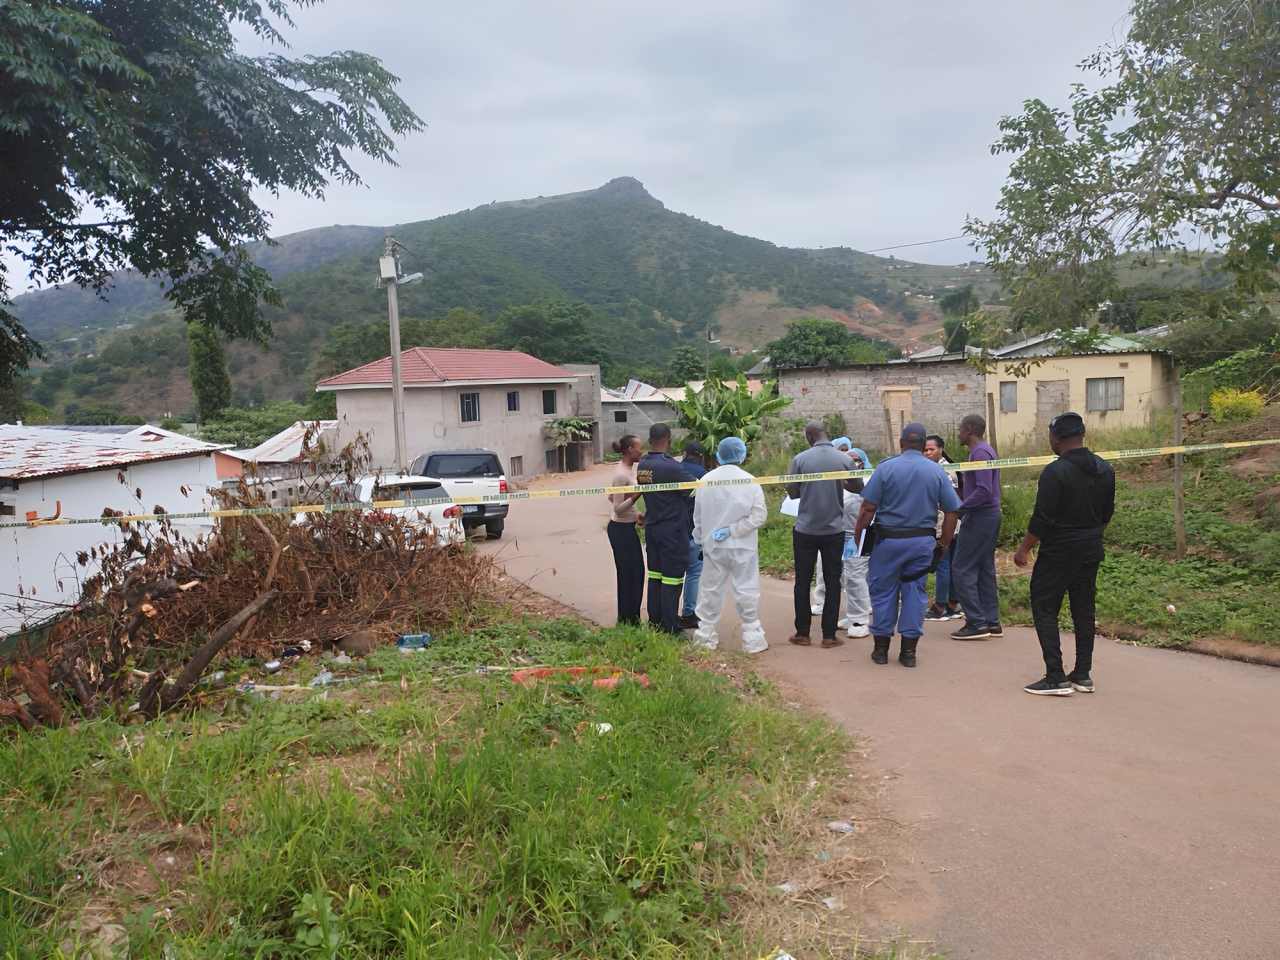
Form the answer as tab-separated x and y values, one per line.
840	826
271	666
323	678
414	640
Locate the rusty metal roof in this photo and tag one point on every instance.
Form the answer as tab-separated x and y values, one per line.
27	452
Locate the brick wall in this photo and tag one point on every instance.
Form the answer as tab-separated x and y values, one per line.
939	395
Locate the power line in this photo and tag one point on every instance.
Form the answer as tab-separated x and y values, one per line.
921	243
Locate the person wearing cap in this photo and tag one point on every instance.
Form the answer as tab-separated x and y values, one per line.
666	529
845	446
818	533
1075	500
725	524
903	496
692	461
973	568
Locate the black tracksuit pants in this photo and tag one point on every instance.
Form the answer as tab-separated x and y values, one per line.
629	560
667	548
1060	573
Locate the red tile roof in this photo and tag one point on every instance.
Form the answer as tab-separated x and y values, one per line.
444	364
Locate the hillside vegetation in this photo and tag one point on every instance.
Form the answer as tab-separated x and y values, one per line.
654	279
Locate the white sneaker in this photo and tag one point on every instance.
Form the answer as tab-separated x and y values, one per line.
843	624
815	610
859	630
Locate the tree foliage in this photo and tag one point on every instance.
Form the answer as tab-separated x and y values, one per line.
960	301
1176	148
816	341
136	134
686	365
557	331
210	381
719	411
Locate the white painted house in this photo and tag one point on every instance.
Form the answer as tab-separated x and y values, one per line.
52	475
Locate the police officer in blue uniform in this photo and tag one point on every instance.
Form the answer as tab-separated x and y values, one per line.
904	496
667	529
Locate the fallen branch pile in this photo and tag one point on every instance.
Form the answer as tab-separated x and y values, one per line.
259	584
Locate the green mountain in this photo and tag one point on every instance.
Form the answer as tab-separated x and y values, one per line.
655	280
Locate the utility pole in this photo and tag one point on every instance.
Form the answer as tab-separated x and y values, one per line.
388	275
1179	521
707	375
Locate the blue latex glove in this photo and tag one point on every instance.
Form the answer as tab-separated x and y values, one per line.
850	549
719	536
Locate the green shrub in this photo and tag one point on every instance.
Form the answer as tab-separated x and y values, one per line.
1234	406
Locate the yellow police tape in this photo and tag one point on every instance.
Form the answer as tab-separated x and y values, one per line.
645	488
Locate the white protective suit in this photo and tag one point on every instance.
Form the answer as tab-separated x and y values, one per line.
734	562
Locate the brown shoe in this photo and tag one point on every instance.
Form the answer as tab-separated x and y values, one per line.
799	639
829	642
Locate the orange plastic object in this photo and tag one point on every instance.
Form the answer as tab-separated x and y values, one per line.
606	677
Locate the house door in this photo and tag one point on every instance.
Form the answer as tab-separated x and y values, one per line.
1052	398
897	414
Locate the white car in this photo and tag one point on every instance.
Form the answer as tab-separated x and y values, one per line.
443	518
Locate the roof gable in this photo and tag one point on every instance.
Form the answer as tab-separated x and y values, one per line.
432	365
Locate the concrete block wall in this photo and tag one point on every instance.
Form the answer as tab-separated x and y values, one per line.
940	394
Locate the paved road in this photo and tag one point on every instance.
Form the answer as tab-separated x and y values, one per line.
1140	822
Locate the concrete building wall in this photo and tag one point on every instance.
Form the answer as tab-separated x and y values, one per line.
41	562
433	421
936	394
621	417
584	402
1061	384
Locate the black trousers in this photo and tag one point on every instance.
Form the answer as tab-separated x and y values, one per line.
806	549
628	558
1058	574
667	547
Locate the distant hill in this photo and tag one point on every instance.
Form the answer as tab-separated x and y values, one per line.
655	278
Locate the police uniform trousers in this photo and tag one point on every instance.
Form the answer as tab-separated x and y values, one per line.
896	573
667	552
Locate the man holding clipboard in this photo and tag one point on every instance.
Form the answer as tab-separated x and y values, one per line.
904	496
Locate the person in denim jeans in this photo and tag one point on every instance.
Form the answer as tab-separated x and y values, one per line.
946	602
973	568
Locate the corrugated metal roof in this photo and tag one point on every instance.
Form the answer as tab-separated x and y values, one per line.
286	446
443	364
27	452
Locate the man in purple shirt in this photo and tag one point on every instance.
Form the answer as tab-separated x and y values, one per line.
973	568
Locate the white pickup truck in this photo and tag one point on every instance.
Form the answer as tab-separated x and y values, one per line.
468	473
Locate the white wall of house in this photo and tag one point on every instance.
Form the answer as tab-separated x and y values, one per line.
621	417
42	575
433	421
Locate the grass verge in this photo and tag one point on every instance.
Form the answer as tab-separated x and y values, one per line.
439	812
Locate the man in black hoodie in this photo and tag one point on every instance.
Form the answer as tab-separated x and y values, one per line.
1074	502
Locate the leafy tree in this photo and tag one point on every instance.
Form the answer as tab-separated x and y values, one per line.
722	368
135	134
352	345
686	365
556	331
955	334
815	341
1180	141
1206	340
249	426
959	302
719	411
99	414
210	381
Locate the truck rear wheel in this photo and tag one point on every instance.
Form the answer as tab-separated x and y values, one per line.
494	529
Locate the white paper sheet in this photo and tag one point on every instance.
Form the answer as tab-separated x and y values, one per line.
790	508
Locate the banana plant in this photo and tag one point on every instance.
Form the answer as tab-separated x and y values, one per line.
720	411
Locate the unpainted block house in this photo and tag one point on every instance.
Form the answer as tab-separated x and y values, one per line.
1121	384
456	399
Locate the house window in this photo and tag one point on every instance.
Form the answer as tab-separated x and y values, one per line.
513	401
517	467
1008	396
619	416
8	509
1104	393
551	459
548	402
470	407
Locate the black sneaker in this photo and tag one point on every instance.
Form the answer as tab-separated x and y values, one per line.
935	612
996	632
954	613
1083	684
1048	688
688	621
968	632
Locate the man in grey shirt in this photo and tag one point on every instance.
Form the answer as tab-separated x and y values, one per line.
819	532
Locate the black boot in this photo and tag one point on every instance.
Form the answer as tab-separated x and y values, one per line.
880	654
908	655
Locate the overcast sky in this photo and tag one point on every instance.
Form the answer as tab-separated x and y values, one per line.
803	122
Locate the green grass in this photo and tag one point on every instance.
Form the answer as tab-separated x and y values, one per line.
443	814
